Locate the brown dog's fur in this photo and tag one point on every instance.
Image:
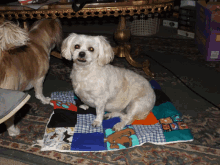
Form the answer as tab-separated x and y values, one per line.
24	56
21	66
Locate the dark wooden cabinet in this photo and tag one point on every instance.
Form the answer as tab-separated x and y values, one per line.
187	18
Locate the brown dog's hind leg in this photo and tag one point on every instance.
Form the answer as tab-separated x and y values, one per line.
38	87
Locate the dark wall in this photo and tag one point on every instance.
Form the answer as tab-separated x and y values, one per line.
7	1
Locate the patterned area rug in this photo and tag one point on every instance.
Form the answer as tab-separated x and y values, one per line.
205	149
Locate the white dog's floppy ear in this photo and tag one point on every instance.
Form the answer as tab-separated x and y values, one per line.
66	46
106	54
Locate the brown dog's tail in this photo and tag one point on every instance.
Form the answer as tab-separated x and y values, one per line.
12	35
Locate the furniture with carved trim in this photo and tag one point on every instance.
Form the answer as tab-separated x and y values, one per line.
121	35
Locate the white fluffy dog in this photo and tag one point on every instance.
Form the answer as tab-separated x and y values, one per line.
105	87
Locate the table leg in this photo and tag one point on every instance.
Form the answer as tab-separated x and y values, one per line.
56	54
122	37
25	25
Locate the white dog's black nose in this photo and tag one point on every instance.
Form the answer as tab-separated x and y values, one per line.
82	54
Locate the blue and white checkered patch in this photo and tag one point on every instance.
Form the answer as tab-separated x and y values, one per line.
84	124
149	133
64	96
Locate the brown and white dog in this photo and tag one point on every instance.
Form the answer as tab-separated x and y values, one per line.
24	57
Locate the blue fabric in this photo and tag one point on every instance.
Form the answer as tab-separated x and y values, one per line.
154	84
88	142
110	122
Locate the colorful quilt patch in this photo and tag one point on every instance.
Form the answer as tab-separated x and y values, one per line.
62	118
64	96
88	142
58	138
84	124
149	133
63	105
150	119
111	122
70	127
123	139
172	123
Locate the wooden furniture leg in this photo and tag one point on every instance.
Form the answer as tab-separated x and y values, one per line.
122	37
56	54
25	25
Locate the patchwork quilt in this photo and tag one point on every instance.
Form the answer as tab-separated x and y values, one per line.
70	127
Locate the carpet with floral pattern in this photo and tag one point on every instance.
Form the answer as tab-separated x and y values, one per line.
205	127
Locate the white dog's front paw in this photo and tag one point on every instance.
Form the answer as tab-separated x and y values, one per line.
13	131
96	123
85	107
119	126
108	116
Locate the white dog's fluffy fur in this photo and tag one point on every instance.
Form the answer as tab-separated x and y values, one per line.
105	87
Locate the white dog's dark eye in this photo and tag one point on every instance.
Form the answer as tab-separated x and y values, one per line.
77	46
91	49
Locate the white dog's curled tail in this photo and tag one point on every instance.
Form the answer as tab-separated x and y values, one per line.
11	35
